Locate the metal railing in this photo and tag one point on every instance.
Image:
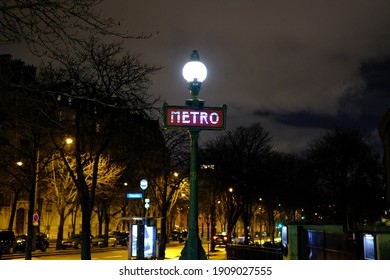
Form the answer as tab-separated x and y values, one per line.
245	252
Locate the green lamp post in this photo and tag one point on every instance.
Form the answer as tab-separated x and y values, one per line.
195	73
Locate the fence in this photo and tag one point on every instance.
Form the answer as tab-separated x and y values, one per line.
244	252
331	246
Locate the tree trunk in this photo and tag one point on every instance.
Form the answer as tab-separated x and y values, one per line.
106	223
246	232
164	238
213	225
86	236
60	232
30	226
13	210
271	223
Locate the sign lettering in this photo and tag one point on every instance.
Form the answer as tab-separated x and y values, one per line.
204	118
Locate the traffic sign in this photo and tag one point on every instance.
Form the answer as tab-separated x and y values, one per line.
134	195
35	219
143	184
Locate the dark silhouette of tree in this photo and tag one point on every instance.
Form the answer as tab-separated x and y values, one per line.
239	158
209	192
47	26
137	146
288	188
167	168
348	176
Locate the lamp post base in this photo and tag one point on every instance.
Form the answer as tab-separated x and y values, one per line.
193	250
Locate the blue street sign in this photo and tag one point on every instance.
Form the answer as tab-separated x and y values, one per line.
134	195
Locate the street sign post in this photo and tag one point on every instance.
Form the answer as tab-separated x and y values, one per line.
131	196
194	117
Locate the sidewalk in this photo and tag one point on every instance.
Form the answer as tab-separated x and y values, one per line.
218	254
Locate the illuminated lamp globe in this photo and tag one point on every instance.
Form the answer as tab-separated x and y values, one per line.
194	70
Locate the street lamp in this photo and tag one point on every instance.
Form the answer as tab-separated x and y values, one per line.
195	73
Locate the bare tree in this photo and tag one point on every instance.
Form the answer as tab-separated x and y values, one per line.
167	172
10	187
239	157
109	174
47	26
98	84
348	176
61	191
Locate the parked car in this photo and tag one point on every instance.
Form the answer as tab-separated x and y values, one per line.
41	242
270	244
99	241
7	242
180	236
241	239
122	237
220	239
183	236
112	241
174	236
73	242
43	238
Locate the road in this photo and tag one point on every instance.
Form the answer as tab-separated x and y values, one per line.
172	252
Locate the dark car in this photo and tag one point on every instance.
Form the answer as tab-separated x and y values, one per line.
270	244
183	236
174	236
42	237
97	240
7	242
41	242
220	239
122	237
100	241
73	242
241	239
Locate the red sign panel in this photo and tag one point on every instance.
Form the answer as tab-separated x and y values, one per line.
186	117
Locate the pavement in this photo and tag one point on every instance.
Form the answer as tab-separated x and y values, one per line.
218	254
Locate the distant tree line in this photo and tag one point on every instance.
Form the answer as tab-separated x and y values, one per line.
338	179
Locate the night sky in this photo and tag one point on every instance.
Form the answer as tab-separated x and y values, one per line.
297	67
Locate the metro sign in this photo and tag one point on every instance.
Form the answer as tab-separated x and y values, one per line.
212	118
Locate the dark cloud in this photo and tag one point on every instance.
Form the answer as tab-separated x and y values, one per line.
359	108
